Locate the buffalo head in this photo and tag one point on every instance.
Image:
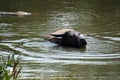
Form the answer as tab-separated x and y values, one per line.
66	37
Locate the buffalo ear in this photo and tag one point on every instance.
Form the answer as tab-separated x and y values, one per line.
57	35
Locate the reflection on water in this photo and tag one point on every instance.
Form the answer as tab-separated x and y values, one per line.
98	20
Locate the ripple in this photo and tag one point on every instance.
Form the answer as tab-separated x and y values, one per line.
113	38
49	54
89	56
90	15
5	24
39	44
84	17
8	34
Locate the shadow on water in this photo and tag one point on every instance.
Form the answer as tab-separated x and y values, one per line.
98	20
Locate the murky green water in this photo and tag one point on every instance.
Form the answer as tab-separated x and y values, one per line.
98	20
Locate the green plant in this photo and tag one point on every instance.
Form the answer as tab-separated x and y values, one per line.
9	69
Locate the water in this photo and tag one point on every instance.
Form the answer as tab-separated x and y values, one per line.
98	20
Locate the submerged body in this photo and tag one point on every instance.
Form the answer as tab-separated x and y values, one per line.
18	13
66	37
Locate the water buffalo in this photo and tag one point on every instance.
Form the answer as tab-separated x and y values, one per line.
66	37
18	13
22	13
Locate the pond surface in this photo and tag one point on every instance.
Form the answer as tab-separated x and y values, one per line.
98	20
